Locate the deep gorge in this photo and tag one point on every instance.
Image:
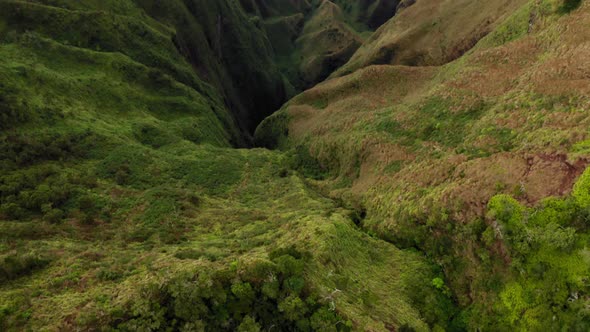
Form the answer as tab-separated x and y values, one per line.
300	165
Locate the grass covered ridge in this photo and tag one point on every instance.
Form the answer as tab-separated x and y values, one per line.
397	197
423	150
124	205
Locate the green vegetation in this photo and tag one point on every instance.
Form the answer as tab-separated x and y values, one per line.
569	5
273	134
16	266
122	200
405	198
548	246
267	294
469	163
515	27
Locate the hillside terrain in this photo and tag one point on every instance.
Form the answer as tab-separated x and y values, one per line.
313	165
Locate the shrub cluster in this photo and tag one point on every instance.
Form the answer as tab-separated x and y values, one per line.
548	248
14	266
569	5
27	149
309	166
533	261
12	110
48	191
268	294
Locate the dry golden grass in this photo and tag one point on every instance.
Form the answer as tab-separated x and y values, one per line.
428	33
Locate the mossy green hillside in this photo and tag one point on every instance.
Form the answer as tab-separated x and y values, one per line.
205	41
421	150
122	199
401	198
311	39
119	235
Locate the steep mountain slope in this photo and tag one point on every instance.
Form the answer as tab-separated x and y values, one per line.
431	33
193	45
433	191
311	39
227	50
124	206
422	150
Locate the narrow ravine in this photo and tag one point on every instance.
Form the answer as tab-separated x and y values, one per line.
302	165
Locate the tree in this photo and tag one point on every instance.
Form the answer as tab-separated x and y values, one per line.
249	325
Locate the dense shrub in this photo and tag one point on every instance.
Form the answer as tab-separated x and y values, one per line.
12	109
34	191
164	216
53	215
273	131
28	149
196	254
549	257
309	166
190	131
215	172
152	135
265	294
531	260
15	266
569	5
130	165
46	190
